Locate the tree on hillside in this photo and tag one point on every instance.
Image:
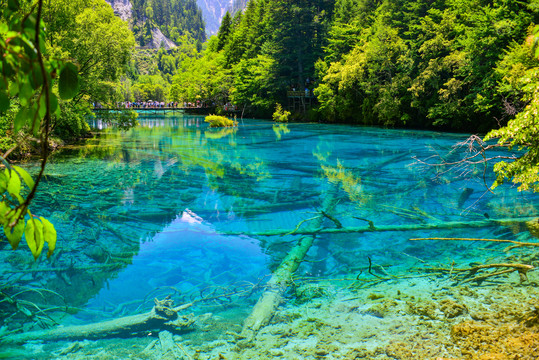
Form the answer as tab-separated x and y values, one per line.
175	18
224	31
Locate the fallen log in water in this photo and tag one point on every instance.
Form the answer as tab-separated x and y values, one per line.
380	228
162	317
273	295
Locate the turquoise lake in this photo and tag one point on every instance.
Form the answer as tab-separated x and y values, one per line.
174	208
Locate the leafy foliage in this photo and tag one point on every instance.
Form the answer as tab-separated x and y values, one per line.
257	55
280	115
419	63
28	77
521	133
220	121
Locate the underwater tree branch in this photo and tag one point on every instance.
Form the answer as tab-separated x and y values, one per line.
522	270
163	316
477	150
517	243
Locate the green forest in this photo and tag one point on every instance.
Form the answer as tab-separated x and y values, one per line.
458	65
451	65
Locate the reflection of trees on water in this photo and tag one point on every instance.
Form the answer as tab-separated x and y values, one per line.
152	122
120	188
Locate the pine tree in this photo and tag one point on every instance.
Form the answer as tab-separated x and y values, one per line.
224	31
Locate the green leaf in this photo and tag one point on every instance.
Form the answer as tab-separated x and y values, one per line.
49	234
3	183
4	101
14	88
68	85
33	234
13	5
42	107
36	76
14	234
29	24
25	176
7	67
21	119
14	186
4	211
25	91
53	104
29	50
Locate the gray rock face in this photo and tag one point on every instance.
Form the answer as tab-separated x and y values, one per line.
122	8
213	12
159	40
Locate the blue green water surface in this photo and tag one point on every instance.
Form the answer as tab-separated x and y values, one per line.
173	207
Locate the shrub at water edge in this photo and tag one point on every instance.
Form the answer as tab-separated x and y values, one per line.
220	121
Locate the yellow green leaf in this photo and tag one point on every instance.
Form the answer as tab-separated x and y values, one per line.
34	236
14	185
25	176
49	234
4	210
3	182
14	234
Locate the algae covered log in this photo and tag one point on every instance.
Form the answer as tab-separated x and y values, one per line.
163	316
384	228
273	295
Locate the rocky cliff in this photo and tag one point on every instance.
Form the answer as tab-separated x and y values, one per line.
159	40
213	11
122	8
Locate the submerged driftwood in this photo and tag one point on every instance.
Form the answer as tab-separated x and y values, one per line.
314	230
273	295
164	316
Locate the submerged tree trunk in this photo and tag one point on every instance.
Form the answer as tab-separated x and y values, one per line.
314	230
162	317
273	295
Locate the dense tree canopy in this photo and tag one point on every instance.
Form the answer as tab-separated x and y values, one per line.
399	63
100	44
281	40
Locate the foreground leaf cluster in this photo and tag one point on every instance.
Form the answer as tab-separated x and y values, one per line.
28	80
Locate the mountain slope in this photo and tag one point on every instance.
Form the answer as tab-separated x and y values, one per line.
157	23
214	10
122	8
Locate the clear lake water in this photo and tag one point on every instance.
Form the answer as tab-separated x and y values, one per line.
175	208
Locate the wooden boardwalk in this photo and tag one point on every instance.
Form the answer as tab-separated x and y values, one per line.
159	110
299	100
